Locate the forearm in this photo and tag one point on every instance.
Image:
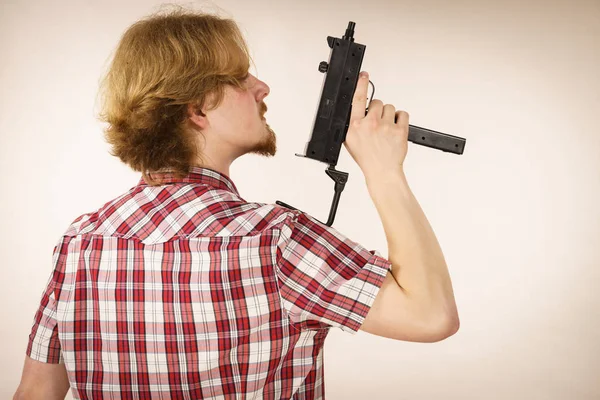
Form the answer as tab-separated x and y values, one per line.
418	264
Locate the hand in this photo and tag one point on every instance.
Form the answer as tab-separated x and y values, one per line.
378	141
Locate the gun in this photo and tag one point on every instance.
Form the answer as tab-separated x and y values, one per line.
335	106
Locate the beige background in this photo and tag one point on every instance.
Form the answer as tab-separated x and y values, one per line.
517	215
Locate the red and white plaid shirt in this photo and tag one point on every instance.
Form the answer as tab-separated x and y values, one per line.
187	291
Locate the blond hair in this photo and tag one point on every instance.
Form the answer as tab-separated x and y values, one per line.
163	63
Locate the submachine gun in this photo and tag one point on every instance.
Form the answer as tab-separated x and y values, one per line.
335	106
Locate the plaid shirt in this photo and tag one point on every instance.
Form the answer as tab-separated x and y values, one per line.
187	291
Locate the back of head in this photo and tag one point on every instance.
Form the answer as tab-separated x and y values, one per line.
162	63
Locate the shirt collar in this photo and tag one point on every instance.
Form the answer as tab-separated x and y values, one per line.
199	175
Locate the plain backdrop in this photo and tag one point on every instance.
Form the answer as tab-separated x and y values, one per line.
517	215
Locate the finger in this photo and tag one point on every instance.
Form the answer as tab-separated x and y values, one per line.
375	109
359	100
389	112
402	118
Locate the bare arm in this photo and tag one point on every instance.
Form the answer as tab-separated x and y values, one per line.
42	381
416	301
421	306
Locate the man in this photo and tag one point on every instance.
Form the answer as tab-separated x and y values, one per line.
180	288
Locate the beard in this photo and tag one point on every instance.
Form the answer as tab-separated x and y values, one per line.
268	145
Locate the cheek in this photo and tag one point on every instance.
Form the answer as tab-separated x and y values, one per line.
251	119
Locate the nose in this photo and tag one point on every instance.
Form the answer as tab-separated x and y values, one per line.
262	90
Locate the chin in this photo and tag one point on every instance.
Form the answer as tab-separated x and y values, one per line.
268	145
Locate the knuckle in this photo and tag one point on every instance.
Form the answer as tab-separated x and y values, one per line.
390	127
372	123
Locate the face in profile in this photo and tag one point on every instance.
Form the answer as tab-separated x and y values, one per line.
239	124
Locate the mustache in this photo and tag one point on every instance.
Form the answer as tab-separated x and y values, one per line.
263	109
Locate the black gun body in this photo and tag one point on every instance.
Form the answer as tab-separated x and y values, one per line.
333	113
334	110
335	106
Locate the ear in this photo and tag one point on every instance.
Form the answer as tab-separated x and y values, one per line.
196	116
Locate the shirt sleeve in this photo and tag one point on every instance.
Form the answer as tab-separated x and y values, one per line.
326	279
43	342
